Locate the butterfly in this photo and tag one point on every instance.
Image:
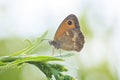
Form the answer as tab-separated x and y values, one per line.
69	36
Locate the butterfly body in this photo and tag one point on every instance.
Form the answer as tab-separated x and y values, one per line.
68	36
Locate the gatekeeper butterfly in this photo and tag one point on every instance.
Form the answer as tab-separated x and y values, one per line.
69	36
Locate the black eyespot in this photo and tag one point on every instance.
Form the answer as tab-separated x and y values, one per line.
69	22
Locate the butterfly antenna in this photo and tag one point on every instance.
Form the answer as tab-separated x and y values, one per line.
60	53
52	51
46	40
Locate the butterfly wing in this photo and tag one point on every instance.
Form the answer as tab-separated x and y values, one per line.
69	22
68	36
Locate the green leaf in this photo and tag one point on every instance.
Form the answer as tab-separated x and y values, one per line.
53	69
42	62
16	60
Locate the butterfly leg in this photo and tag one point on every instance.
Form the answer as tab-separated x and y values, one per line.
60	52
52	51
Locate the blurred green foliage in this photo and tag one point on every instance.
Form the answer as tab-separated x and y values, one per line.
85	26
50	70
100	72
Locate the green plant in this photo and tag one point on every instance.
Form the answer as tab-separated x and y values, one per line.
44	63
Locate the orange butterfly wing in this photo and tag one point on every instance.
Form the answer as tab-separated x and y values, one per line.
66	25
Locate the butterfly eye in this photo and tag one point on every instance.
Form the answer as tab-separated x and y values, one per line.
69	22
